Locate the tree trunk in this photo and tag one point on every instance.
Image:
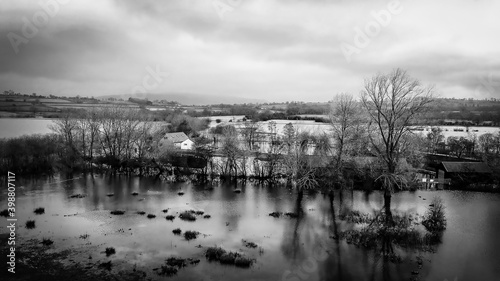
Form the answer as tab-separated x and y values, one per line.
387	207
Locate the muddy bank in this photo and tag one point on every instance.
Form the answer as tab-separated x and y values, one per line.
35	261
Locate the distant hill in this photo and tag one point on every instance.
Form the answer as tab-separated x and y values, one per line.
189	98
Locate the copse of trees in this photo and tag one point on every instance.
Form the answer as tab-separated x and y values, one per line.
33	154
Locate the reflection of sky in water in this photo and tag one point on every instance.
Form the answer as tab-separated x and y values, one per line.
470	245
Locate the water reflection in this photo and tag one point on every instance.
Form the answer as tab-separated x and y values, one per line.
303	248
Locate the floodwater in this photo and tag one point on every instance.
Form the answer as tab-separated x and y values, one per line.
288	248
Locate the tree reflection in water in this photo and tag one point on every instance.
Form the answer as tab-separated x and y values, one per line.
355	246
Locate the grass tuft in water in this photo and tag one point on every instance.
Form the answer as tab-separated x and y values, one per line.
110	251
191	235
4	213
30	224
47	241
187	216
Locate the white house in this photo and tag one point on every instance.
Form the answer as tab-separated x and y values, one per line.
178	140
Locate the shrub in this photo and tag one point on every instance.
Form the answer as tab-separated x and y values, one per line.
177	231
141	213
117	212
165	210
30	224
434	219
207	216
135	193
170	217
151	216
39	210
110	251
199	213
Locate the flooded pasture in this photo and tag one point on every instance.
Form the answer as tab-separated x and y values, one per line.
282	248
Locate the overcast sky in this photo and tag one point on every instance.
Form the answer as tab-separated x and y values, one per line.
263	49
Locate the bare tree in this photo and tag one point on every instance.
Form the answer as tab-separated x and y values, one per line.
393	102
345	117
250	133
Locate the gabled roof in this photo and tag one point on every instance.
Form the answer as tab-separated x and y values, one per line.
466	167
176	137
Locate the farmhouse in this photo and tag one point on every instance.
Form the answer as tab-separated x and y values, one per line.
178	140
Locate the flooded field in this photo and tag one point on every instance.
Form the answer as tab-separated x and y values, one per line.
284	248
15	127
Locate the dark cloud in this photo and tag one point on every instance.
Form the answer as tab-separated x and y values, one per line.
289	48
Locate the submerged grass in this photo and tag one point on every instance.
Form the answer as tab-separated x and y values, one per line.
191	235
47	241
110	251
187	216
30	224
4	213
225	257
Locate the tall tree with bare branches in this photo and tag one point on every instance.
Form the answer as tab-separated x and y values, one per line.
345	117
393	102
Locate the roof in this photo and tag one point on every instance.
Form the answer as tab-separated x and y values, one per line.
176	137
466	167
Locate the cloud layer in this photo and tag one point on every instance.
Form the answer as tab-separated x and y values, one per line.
264	49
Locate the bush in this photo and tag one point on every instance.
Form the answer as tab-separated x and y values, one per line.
117	212
39	211
434	219
151	216
170	217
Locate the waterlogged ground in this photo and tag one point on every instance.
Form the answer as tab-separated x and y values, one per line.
287	248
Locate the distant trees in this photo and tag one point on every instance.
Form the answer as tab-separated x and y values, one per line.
435	139
392	101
